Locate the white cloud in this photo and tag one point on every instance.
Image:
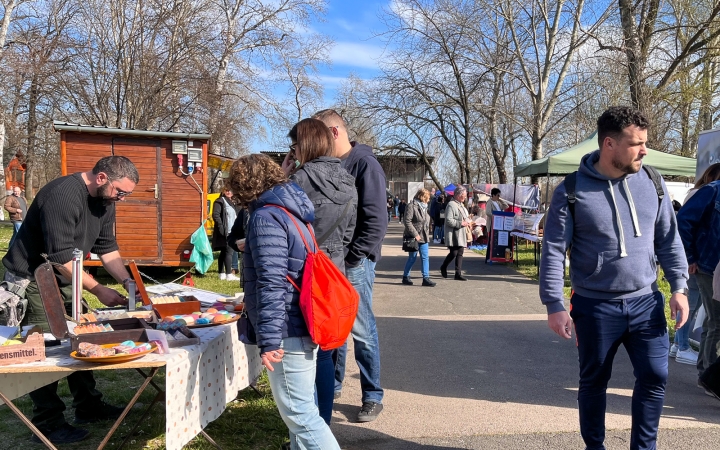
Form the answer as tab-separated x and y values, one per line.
332	82
356	55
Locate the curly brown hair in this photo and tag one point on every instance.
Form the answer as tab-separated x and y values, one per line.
251	175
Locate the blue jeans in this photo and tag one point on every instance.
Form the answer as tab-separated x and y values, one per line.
438	233
424	255
396	211
325	384
293	388
600	327
16	228
682	336
365	336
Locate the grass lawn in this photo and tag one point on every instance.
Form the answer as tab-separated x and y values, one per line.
526	266
250	422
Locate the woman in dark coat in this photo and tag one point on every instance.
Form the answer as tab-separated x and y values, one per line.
274	251
331	190
224	214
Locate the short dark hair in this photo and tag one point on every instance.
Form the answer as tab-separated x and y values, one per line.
117	168
616	118
494	191
314	139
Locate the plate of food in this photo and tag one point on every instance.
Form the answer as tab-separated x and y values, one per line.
112	353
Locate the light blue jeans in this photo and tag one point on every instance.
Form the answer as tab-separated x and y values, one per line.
438	233
682	336
293	387
365	336
424	256
16	228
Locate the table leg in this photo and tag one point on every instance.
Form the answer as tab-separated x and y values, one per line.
210	440
124	414
27	422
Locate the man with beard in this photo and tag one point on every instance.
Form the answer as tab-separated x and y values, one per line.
74	211
616	223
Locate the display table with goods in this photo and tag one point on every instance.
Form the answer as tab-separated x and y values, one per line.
199	380
205	367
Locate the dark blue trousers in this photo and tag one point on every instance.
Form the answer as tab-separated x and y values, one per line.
601	326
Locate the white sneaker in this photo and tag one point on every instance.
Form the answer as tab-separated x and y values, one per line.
688	356
223	276
231	277
674	349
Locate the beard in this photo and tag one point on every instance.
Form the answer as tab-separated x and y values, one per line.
633	167
103	194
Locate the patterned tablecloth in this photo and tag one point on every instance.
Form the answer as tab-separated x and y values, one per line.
199	380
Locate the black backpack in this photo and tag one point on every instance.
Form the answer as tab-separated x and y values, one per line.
571	180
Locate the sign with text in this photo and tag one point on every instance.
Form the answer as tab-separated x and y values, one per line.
32	350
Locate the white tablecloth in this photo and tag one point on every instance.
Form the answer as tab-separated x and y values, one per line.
199	380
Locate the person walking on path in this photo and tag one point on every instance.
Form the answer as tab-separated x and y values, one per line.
456	235
681	350
331	189
225	212
615	224
699	225
494	204
275	251
362	254
396	205
417	226
76	211
402	208
16	205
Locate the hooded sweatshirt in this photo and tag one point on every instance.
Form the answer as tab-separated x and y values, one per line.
372	218
331	189
620	228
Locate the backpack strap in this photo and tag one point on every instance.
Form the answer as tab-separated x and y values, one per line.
657	181
570	181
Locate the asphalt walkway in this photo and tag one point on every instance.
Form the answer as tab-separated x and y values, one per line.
472	365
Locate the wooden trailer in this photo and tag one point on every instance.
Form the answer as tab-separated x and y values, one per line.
154	224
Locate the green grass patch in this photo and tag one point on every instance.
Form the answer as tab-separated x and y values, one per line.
250	422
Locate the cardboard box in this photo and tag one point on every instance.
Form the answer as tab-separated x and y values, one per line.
32	350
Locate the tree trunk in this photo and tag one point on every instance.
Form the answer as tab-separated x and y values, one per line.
32	125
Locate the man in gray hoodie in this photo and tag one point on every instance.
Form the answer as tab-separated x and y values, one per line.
619	226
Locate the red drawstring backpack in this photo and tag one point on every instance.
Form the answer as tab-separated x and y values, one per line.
328	301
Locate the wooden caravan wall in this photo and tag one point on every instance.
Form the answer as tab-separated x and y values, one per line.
150	230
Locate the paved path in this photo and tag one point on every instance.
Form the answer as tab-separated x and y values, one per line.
472	365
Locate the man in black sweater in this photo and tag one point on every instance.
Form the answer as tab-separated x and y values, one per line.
74	211
361	255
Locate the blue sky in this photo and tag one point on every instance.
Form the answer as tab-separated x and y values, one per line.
351	25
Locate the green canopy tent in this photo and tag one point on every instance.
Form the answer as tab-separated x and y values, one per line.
569	161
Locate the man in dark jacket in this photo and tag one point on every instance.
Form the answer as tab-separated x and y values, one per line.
699	228
401	209
361	256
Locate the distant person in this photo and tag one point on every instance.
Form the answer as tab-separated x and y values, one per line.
362	255
401	209
493	205
681	350
16	205
417	226
438	216
225	211
614	230
456	236
331	190
699	225
274	250
396	205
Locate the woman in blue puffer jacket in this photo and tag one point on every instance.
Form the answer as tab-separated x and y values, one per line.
274	250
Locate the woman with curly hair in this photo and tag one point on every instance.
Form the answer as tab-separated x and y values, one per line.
274	251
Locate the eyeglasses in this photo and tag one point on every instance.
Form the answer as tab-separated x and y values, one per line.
119	193
292	147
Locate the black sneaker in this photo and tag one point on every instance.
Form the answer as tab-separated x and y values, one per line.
428	282
460	277
100	413
443	272
65	434
406	280
369	411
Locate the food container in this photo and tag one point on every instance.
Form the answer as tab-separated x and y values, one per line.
174	309
31	350
192	339
131	329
